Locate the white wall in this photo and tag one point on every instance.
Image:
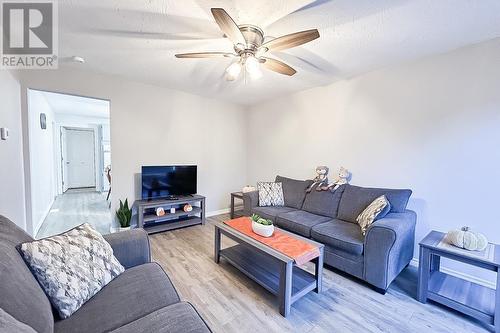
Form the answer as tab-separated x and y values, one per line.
41	147
154	125
11	151
432	126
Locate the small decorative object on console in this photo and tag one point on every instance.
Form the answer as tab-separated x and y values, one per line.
261	226
172	210
124	215
187	208
248	188
160	211
320	180
467	239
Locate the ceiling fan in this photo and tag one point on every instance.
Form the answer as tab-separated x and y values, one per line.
249	47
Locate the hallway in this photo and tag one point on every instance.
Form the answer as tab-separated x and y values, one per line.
74	208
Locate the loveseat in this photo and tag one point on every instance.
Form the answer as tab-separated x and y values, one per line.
141	299
330	218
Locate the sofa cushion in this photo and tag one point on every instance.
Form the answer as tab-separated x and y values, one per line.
300	221
355	199
341	235
72	267
134	294
294	191
324	203
11	324
20	294
271	212
180	317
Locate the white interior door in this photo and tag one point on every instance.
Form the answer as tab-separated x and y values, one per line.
78	147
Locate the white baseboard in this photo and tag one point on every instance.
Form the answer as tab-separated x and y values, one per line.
468	277
39	223
218	212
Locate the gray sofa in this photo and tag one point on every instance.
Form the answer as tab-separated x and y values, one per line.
330	218
141	299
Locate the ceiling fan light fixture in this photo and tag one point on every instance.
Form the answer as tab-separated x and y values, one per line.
252	66
233	71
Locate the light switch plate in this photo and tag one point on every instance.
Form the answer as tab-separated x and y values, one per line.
4	133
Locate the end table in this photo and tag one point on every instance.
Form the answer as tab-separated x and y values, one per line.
238	195
470	298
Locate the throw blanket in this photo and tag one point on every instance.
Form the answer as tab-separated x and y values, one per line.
290	246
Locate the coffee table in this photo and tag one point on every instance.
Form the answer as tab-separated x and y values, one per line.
273	270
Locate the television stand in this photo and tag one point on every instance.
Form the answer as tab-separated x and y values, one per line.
149	221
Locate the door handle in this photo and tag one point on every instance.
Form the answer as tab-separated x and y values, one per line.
67	162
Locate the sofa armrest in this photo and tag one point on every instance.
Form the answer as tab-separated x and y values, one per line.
131	248
250	200
388	247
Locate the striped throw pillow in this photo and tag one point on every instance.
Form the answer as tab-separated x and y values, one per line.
370	214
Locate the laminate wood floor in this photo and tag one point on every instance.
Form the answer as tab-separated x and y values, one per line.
231	302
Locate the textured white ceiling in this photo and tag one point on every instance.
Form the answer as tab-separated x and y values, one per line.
75	105
138	39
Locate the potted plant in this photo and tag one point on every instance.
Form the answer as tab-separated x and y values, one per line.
124	215
261	226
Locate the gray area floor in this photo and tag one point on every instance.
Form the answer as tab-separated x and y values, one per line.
74	208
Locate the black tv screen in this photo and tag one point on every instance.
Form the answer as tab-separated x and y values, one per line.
164	181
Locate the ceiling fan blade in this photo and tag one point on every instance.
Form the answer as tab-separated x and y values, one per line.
205	55
228	26
278	66
291	40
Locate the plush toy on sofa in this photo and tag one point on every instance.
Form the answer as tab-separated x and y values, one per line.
342	178
320	180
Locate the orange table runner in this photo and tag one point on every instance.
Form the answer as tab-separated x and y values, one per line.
294	248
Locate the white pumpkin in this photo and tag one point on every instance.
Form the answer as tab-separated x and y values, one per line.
248	188
466	239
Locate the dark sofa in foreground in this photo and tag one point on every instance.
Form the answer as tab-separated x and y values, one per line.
330	218
141	299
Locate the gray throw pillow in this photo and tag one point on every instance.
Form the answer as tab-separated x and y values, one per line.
270	194
72	267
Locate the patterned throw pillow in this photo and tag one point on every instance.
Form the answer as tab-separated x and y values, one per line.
374	210
270	194
72	267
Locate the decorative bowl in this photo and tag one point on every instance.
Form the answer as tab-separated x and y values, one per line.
262	230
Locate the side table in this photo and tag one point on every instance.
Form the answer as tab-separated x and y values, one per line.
237	195
470	298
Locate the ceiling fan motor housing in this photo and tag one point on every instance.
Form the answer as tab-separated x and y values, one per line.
254	37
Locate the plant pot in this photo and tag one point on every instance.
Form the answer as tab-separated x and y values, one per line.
124	228
262	230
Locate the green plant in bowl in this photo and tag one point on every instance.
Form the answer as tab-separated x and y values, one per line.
260	220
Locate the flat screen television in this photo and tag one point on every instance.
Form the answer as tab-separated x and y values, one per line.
160	182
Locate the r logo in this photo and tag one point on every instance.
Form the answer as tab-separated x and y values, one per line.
27	28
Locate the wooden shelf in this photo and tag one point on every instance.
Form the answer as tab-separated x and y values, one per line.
266	271
176	224
465	296
148	218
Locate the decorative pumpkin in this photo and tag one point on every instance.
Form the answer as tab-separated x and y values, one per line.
466	239
160	211
187	208
248	188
